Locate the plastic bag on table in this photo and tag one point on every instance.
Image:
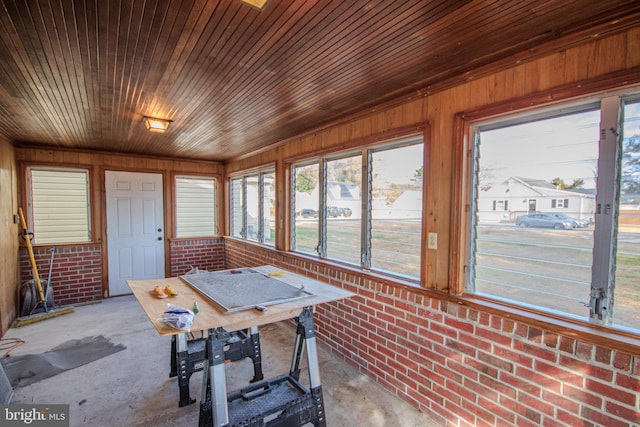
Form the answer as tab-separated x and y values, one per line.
177	318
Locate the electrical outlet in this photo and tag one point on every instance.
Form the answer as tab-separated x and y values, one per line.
432	241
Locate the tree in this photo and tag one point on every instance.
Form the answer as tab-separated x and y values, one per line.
416	181
418	173
347	170
630	179
559	183
306	179
487	178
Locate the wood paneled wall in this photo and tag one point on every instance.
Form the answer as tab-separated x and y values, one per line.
9	232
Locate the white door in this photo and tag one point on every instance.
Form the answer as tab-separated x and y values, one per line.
135	230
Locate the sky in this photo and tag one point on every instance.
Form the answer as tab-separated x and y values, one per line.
564	147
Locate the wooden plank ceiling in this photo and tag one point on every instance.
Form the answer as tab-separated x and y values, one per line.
82	74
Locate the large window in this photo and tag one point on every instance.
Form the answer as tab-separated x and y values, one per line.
626	310
253	207
344	202
362	208
306	205
569	240
237	196
59	202
196	207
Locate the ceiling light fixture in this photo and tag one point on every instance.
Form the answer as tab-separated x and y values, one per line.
156	125
256	4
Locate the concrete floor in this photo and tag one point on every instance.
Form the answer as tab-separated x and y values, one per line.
133	388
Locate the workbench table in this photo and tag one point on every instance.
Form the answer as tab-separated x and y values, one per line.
214	406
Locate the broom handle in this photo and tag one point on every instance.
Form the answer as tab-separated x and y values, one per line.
33	258
53	251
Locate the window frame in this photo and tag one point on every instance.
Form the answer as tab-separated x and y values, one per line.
365	151
292	204
500	205
560	203
30	216
242	188
462	232
243	176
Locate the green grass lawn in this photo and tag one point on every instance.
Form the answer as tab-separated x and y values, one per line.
552	269
395	245
540	267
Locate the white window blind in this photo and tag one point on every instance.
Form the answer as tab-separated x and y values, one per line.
60	205
195	207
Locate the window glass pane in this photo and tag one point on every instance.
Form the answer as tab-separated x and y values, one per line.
236	208
195	207
269	208
539	251
344	178
306	197
396	210
60	206
253	207
627	278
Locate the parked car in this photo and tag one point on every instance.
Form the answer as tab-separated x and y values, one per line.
578	222
308	213
334	212
543	220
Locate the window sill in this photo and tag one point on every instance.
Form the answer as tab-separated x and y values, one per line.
186	239
60	245
614	339
378	276
626	341
251	242
604	336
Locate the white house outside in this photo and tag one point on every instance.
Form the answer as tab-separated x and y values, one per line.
518	196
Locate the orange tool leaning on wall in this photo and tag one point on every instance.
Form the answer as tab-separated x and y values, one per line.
25	234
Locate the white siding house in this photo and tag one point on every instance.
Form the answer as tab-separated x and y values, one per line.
517	196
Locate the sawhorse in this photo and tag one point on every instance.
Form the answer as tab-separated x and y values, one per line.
281	402
189	356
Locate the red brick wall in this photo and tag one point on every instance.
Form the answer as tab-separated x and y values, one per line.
206	254
464	366
77	271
